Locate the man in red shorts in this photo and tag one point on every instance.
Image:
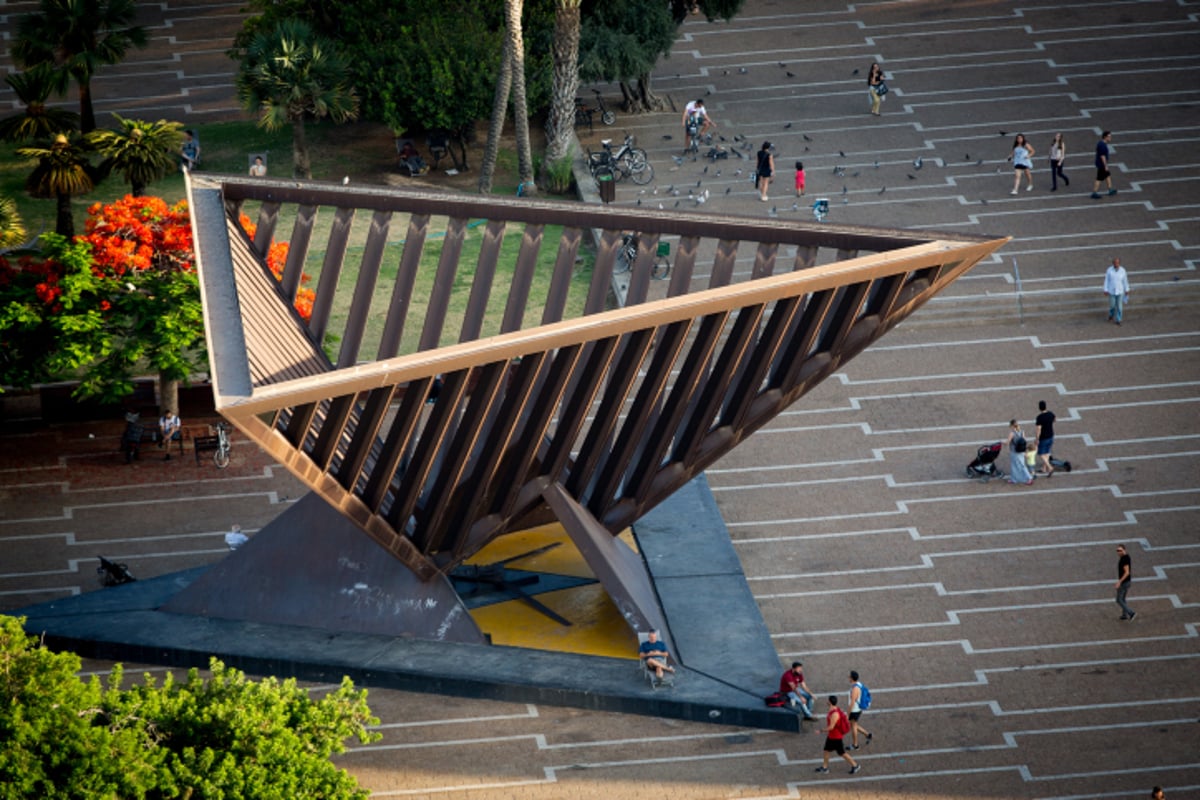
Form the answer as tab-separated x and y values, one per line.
837	725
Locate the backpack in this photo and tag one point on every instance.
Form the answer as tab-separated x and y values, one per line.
1019	445
776	700
864	697
842	725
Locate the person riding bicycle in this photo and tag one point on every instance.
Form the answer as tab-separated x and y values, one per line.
696	121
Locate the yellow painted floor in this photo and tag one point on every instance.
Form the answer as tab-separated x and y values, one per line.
597	628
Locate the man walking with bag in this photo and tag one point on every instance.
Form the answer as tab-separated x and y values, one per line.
837	725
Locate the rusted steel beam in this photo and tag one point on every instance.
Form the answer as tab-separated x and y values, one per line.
331	270
364	289
406	277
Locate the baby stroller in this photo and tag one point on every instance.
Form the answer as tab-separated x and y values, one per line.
984	466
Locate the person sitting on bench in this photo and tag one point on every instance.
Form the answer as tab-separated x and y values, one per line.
411	159
654	654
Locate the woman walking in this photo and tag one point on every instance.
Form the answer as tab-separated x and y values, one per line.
1022	160
874	81
765	169
1017	471
1058	154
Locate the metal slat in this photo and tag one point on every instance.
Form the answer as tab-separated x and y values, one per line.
394	446
293	268
669	341
749	383
264	229
481	287
333	426
366	434
443	283
723	264
764	260
564	271
364	289
456	458
522	279
632	351
406	276
331	269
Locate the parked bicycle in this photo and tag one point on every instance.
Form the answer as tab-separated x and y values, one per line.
627	162
221	455
660	267
584	112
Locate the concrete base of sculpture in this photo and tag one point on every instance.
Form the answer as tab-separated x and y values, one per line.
727	657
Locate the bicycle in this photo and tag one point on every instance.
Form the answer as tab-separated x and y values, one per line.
627	162
221	455
584	112
660	267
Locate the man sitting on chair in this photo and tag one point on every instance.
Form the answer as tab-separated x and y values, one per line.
654	654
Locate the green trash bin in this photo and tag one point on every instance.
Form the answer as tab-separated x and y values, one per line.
608	187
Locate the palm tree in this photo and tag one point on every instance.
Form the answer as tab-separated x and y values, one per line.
141	151
32	87
63	170
512	11
75	38
289	75
12	230
561	122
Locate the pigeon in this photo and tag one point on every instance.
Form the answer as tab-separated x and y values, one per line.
983	200
678	160
705	171
725	72
639	202
742	70
791	74
967	157
707	92
660	206
855	174
722	138
739	172
912	177
918	163
782	65
345	180
806	149
1004	133
787	125
842	153
845	200
728	189
876	163
718	173
667	137
979	163
884	189
676	204
854	73
843	190
670	188
774	212
795	206
700	181
807	138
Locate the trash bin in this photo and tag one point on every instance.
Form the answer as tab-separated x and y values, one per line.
608	187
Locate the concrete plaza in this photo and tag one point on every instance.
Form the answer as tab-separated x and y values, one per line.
981	615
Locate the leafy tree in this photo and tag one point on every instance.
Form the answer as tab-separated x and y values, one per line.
224	736
141	151
289	75
623	40
75	38
38	121
63	170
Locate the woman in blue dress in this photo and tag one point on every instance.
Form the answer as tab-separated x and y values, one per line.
1018	472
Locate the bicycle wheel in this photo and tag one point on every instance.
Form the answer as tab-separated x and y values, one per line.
661	268
608	118
221	457
639	168
624	260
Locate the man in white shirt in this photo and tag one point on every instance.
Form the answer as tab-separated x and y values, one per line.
1116	286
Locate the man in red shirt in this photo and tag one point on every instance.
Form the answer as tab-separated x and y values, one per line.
837	725
792	684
